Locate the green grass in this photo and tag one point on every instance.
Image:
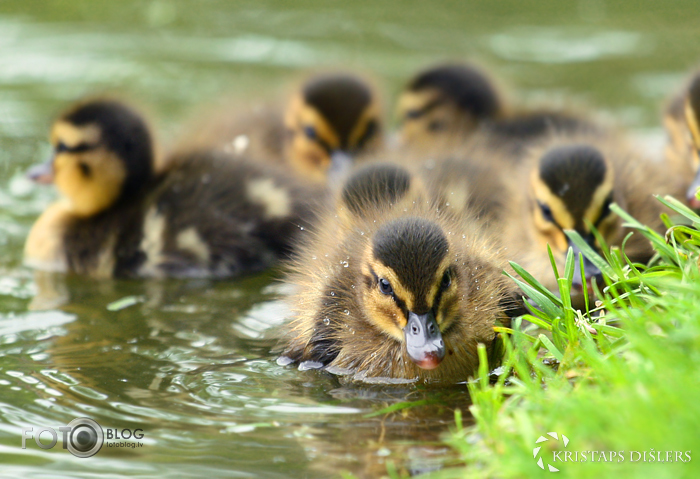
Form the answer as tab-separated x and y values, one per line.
621	376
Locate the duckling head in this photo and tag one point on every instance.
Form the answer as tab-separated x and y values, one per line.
692	118
446	103
375	187
410	289
102	154
572	187
333	119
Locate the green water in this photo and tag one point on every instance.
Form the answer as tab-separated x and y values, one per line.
190	363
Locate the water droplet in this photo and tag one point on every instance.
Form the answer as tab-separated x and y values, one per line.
332	293
347	313
326	321
313	257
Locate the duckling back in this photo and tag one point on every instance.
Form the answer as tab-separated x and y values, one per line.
220	216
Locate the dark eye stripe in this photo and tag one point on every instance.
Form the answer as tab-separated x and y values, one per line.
370	132
79	148
605	210
399	302
414	114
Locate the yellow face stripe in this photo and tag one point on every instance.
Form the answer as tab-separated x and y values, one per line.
545	196
415	101
370	113
301	114
594	210
72	135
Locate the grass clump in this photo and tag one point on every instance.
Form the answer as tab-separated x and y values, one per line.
622	376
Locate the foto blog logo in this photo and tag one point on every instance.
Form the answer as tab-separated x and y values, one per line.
83	437
536	451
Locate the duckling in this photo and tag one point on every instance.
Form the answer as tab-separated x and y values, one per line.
446	105
402	293
330	121
206	215
446	102
682	122
569	183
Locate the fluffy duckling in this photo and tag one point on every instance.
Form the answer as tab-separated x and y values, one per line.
682	122
446	102
569	183
402	293
207	215
445	105
331	120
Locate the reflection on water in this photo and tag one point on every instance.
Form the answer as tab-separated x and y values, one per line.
190	362
191	366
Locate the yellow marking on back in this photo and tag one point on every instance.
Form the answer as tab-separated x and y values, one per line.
275	199
189	240
457	195
152	243
104	267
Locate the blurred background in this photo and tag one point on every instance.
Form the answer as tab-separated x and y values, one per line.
190	364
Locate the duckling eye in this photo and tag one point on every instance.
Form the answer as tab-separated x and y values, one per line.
546	212
413	114
385	287
85	169
61	148
446	280
436	126
310	133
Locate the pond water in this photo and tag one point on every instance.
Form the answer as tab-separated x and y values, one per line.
189	362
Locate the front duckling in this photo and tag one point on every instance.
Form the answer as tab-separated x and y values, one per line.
403	293
331	120
207	215
569	184
682	122
444	106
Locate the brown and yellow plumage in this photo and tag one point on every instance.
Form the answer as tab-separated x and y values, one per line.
206	214
364	284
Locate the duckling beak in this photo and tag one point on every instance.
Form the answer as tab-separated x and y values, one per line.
692	190
42	173
590	271
341	163
424	343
